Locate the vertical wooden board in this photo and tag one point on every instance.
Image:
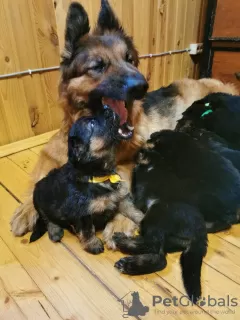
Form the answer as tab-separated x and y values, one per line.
178	40
4	134
141	30
15	110
158	37
191	36
149	75
185	43
127	16
117	6
175	25
21	290
169	29
30	41
92	8
41	45
22	26
38	28
61	7
44	21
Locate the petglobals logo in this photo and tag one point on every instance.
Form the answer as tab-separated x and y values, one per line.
184	301
133	305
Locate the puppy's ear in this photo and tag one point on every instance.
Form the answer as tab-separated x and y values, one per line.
77	26
107	20
154	136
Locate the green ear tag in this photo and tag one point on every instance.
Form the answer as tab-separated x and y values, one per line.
205	113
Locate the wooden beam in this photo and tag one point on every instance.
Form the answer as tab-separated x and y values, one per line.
26	143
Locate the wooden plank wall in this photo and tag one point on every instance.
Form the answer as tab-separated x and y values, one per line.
32	35
28	39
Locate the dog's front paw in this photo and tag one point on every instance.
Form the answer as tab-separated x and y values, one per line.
94	246
120	224
24	218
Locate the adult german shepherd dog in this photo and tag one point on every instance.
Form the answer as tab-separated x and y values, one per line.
101	68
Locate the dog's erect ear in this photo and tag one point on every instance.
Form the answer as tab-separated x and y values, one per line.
77	26
107	20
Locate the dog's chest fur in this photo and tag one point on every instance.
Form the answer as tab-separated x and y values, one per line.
111	196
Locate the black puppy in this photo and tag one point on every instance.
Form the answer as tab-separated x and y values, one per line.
215	122
218	113
179	184
86	185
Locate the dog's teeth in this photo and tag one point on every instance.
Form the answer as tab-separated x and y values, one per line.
130	127
120	131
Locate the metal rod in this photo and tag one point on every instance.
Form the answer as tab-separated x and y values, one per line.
41	70
28	72
152	55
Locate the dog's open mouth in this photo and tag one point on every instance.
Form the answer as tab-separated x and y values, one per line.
119	107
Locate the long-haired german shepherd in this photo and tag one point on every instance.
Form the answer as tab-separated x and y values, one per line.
101	67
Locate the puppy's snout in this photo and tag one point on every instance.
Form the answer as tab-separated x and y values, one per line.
136	86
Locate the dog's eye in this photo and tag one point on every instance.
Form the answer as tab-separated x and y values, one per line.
98	66
129	58
92	123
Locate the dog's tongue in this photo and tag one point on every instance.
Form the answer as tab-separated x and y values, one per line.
118	106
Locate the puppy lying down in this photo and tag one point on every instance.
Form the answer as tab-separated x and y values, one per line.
215	121
85	186
183	187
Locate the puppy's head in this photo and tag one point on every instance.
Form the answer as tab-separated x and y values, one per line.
100	68
168	143
218	112
92	141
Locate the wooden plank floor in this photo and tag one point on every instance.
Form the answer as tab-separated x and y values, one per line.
60	281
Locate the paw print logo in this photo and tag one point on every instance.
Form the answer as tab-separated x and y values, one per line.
202	302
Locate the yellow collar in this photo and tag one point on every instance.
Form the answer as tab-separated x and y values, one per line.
114	178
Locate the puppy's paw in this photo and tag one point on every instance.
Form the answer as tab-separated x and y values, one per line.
126	265
119	237
119	224
55	232
94	246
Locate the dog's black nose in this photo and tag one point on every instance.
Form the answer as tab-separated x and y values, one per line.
136	86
